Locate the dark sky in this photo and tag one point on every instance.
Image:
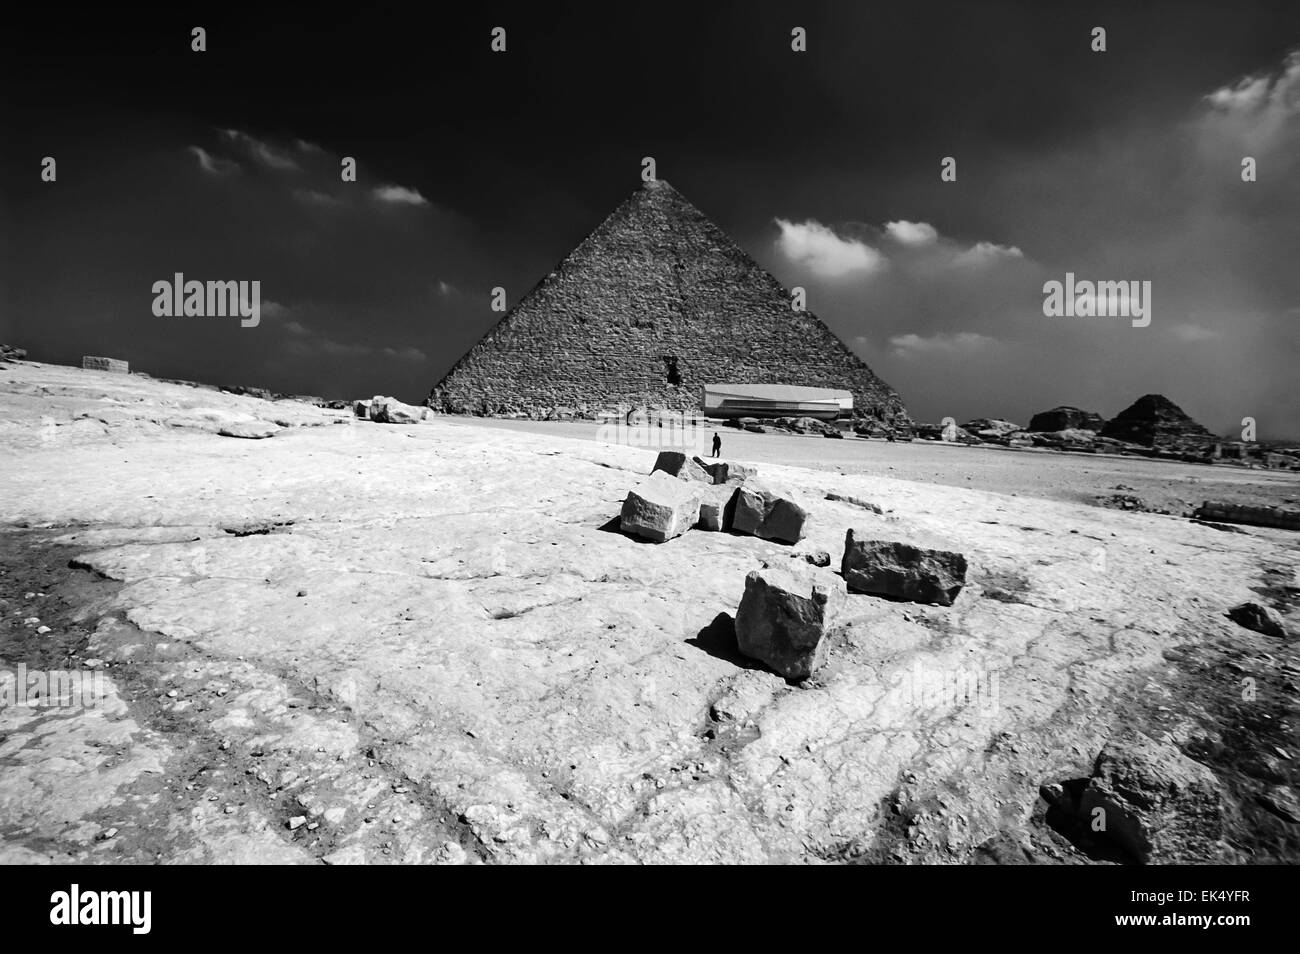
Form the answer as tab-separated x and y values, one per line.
479	169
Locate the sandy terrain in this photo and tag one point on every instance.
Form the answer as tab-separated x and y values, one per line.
1030	472
361	642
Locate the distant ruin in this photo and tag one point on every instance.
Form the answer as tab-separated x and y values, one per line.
654	304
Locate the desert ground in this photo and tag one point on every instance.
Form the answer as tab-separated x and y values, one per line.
353	642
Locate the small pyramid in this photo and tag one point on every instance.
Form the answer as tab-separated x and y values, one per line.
1155	421
655	303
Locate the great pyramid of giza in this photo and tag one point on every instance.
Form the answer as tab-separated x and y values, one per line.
653	304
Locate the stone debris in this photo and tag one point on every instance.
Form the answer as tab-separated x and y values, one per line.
660	508
1153	800
251	430
677	464
818	558
387	410
726	471
783	620
1259	618
296	822
855	502
760	512
717	511
1255	516
901	571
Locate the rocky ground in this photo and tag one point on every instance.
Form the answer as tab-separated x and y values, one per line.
359	642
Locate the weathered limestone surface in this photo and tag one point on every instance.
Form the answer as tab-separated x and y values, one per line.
435	623
656	302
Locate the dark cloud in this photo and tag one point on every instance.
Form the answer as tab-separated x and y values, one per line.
478	169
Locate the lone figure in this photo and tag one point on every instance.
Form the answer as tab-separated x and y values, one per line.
717	444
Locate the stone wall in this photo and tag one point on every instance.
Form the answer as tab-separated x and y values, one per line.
655	303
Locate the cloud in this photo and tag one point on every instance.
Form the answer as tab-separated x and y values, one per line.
942	343
985	253
1193	333
259	151
911	233
824	253
399	195
306	342
1257	109
214	165
316	198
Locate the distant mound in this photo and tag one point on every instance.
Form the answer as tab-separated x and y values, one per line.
1155	421
1066	418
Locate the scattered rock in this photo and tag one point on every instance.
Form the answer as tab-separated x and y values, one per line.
660	508
296	822
818	558
725	471
677	464
901	571
855	502
1259	618
717	511
1155	802
387	410
783	620
250	430
762	513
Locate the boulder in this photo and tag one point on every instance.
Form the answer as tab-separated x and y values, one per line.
10	353
725	471
901	571
677	464
991	427
716	509
1065	418
1259	618
783	620
760	512
1155	802
818	558
387	410
660	508
361	409
249	430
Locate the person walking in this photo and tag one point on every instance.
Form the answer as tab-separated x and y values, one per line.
717	444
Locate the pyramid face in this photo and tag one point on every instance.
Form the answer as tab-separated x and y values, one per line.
653	304
1155	421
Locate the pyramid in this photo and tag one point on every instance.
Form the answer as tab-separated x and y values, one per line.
653	304
1155	421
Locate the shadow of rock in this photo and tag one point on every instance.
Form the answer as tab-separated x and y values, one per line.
718	639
